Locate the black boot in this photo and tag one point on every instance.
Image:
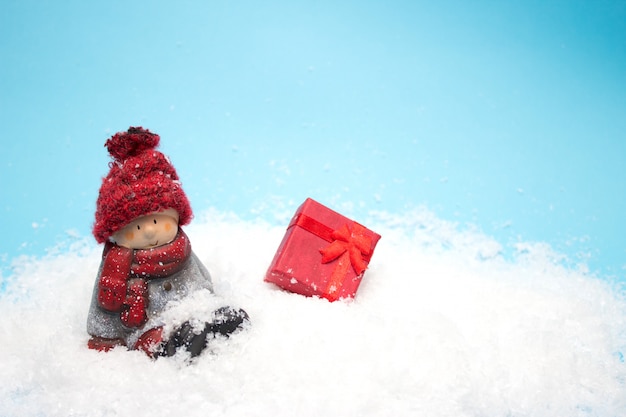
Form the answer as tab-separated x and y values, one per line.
225	321
185	336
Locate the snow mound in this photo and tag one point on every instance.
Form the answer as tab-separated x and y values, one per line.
441	326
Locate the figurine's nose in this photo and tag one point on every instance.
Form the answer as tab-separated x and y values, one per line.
149	231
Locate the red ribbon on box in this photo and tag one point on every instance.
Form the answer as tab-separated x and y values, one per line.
349	247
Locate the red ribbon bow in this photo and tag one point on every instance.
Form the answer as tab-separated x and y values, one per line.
353	242
348	247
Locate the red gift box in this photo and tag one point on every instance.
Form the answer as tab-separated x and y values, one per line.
322	254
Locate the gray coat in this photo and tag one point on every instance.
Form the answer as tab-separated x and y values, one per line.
102	323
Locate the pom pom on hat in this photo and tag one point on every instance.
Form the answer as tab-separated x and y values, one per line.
123	145
141	181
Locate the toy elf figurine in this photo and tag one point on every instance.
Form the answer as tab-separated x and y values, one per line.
147	260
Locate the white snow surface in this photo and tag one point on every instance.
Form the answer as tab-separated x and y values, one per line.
442	325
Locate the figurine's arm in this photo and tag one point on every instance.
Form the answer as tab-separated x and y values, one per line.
113	278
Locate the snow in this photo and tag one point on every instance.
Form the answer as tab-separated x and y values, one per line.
442	325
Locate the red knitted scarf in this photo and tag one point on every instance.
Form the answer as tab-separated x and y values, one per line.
123	286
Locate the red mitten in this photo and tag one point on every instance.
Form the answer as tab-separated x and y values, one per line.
151	342
136	304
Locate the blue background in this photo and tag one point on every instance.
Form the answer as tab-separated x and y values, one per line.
507	115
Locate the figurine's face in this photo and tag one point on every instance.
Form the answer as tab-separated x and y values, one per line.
148	231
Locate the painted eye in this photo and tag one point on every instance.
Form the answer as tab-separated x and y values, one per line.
138	227
154	221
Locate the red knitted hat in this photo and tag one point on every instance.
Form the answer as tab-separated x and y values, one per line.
141	181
